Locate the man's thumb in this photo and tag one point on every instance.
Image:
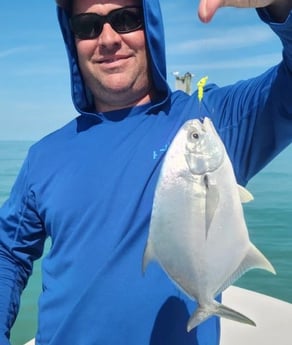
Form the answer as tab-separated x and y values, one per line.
207	9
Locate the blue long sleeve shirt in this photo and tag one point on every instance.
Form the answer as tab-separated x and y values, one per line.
89	188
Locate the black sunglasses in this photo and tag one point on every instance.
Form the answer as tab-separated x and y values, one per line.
122	20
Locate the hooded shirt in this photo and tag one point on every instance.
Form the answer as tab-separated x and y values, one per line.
89	187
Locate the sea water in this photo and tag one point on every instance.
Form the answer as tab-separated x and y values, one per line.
269	219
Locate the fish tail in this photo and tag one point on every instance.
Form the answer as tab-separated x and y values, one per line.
231	314
203	313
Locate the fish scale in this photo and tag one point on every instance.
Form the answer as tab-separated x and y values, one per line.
197	232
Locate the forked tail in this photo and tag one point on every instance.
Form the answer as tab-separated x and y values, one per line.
204	312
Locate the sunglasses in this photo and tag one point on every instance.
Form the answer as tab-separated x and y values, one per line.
123	20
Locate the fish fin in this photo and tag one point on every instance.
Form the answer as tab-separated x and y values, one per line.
256	259
203	313
212	201
148	256
244	194
253	259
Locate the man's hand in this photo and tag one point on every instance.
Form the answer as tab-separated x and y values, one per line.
207	8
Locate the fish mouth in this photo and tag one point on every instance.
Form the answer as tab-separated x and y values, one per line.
208	124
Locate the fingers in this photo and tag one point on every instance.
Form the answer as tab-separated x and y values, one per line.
207	8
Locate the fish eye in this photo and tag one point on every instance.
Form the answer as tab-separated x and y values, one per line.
195	135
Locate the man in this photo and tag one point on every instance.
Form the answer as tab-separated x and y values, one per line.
89	186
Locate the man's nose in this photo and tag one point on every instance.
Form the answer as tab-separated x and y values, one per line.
109	36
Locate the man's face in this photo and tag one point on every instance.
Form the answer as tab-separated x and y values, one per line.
114	66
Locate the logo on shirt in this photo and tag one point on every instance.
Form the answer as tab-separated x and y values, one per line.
158	153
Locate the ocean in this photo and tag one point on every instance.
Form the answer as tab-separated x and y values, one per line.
269	219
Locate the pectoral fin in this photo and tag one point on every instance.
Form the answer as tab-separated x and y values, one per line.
212	201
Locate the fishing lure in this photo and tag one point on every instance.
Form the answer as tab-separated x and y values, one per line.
201	84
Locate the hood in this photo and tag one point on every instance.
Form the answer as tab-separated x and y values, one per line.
154	32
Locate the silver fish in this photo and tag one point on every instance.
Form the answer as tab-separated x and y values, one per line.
197	233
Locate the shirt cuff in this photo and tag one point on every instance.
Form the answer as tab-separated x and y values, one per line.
266	17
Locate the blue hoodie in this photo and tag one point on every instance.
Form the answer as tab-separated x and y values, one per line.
89	188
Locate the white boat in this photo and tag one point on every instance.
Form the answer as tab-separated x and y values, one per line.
272	316
31	342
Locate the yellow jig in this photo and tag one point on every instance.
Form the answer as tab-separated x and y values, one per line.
201	84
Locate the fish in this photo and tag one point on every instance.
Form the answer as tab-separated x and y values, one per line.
197	233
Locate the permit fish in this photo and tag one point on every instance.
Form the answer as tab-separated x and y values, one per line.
198	233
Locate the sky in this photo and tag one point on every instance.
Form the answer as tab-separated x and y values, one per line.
35	95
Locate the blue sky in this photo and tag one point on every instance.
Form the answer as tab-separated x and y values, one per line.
35	96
